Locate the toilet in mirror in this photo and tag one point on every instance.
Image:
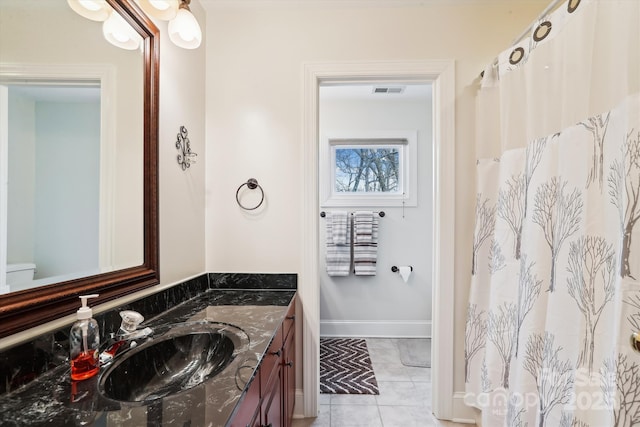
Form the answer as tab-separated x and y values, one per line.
19	276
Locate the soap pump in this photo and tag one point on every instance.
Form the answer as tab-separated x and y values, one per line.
84	343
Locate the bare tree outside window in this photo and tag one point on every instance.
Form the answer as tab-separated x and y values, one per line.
554	377
558	214
624	192
591	284
369	170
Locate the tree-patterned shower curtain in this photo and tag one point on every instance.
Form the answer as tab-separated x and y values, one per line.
555	290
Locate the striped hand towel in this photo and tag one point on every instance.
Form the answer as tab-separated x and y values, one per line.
339	223
365	245
338	256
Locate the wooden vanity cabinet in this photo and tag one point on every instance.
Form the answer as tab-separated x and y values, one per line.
270	398
248	414
288	366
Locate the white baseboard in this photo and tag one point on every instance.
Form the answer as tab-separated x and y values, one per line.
298	410
462	412
375	329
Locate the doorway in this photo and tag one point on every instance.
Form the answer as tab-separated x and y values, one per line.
375	152
441	75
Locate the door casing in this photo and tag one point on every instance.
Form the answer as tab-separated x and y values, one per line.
441	73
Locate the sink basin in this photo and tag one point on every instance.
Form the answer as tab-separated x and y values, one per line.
184	357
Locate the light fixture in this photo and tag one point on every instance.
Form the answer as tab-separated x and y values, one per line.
119	33
160	9
184	30
95	10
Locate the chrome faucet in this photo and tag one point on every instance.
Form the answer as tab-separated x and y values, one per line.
126	336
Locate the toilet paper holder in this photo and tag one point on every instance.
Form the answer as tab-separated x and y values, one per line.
395	268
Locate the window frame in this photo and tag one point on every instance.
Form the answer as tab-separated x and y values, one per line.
405	141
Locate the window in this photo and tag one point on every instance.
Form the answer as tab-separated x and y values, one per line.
368	170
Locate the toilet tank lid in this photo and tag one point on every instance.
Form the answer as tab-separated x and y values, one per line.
20	267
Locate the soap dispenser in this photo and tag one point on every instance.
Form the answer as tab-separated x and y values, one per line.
84	341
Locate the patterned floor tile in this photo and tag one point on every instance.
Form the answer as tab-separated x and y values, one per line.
400	393
355	416
406	416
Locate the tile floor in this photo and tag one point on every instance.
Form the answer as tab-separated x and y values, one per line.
404	400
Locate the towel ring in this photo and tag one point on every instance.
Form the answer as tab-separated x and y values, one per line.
251	184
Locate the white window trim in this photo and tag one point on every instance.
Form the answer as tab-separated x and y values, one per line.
409	161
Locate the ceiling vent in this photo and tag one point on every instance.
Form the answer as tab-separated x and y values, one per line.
388	89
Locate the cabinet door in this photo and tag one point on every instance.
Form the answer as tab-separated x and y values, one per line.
271	362
289	377
272	404
248	414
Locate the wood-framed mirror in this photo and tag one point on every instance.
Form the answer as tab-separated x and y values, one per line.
24	309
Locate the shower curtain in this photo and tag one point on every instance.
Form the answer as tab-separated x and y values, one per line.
555	290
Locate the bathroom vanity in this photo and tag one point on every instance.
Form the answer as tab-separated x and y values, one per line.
255	387
270	397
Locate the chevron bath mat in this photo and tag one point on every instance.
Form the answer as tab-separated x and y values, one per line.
345	367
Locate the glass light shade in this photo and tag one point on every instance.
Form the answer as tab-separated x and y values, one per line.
119	33
184	30
95	10
160	9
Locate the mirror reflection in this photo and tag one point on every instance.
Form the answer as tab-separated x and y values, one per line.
71	144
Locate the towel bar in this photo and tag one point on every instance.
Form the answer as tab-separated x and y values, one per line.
381	214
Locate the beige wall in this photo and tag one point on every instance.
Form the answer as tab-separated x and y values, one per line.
254	109
182	193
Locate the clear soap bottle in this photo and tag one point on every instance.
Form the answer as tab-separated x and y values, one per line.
84	342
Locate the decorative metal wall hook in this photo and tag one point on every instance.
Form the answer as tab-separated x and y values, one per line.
186	156
251	184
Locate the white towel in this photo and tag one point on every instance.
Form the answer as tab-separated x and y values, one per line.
339	223
363	223
365	245
338	256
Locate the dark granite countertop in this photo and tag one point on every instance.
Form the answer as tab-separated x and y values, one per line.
53	400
